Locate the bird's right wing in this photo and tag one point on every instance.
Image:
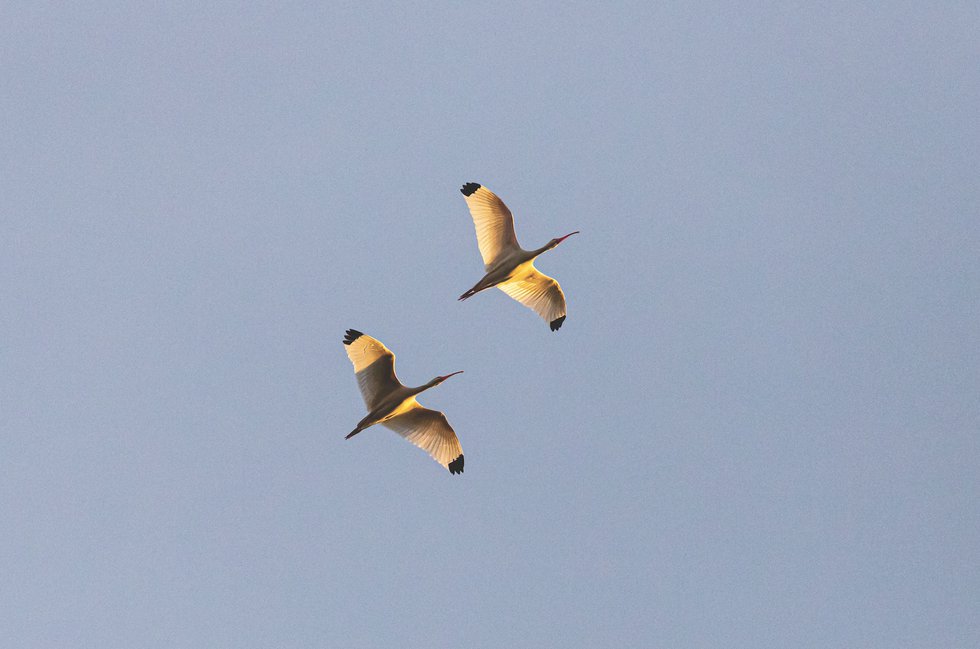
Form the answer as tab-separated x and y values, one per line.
494	222
374	366
540	293
431	432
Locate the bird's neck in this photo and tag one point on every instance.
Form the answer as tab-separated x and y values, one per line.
422	388
545	248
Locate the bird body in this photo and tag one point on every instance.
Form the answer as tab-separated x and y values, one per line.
508	266
394	406
396	403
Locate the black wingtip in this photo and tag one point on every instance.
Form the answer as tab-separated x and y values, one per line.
351	335
556	323
456	466
469	188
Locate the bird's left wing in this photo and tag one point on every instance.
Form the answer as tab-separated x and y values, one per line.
540	293
374	366
431	432
493	221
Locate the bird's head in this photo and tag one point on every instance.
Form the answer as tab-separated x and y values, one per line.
440	379
554	242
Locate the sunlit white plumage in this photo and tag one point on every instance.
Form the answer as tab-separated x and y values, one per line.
393	405
508	266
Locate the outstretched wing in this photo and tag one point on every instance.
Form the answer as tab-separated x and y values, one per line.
374	366
540	293
430	431
494	222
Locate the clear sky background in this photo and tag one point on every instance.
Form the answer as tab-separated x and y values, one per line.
757	428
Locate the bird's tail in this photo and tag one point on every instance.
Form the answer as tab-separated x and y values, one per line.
479	286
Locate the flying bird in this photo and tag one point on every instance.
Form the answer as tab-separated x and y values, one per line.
508	266
393	405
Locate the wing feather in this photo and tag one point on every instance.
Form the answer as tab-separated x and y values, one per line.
430	431
540	293
374	366
493	221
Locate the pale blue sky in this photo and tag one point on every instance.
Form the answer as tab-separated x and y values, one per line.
757	428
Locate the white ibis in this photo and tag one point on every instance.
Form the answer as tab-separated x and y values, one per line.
509	267
393	405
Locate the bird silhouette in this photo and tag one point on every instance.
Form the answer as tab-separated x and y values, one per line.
508	266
